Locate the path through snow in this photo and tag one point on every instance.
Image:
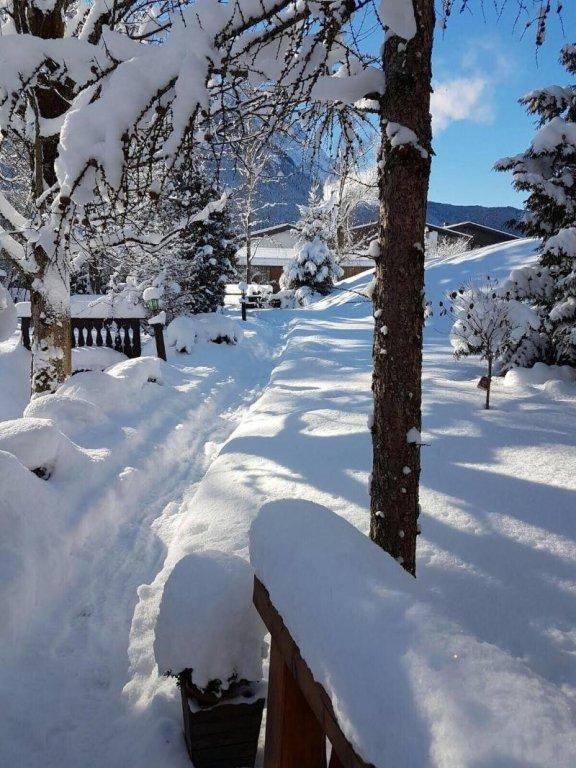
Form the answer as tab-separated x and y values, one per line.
64	672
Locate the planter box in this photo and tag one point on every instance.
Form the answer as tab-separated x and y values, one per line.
224	735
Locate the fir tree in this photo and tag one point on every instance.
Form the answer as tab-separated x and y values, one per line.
201	261
314	268
547	172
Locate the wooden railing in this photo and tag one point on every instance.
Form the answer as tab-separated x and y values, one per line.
121	334
300	716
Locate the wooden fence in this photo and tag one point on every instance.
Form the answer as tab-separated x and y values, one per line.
300	716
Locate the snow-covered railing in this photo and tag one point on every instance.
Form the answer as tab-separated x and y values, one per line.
98	322
300	715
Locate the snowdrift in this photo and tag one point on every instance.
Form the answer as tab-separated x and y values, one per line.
409	686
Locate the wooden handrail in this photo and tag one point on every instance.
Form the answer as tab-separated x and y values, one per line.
121	334
300	715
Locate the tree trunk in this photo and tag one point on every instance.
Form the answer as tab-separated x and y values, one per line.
248	256
50	303
50	289
404	170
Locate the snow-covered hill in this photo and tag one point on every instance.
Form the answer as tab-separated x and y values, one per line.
474	664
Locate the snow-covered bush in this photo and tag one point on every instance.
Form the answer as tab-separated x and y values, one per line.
486	323
184	332
34	442
440	248
314	265
207	622
546	171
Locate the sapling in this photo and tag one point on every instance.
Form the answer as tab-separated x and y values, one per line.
483	326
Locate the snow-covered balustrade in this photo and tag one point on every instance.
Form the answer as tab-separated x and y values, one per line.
100	321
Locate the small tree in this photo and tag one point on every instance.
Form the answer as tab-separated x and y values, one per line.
314	267
202	260
196	256
546	171
487	323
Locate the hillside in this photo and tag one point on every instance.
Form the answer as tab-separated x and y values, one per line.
497	217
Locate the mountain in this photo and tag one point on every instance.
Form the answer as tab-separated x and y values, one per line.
497	217
278	201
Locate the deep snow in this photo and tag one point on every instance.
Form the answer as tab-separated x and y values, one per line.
487	678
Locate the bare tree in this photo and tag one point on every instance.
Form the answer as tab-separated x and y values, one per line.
254	154
68	49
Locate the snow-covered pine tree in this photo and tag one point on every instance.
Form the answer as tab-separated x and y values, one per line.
199	263
547	172
314	268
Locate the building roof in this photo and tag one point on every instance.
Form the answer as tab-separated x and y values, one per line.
477	225
278	256
273	230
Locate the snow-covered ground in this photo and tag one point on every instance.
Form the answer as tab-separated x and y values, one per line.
478	653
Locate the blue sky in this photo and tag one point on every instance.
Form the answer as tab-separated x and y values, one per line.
481	67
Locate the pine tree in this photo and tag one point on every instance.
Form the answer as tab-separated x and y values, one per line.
314	268
201	261
547	171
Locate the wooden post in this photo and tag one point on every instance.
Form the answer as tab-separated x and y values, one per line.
25	326
243	309
294	737
159	336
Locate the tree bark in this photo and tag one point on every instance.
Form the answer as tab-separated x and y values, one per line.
404	169
50	308
248	255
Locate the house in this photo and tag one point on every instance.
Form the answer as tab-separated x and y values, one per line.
363	233
273	247
480	234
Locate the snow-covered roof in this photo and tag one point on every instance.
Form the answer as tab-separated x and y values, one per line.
273	229
481	226
265	256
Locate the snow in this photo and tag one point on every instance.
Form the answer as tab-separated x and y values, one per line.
553	134
34	442
400	135
151	293
471	664
203	622
8	318
558	381
398	16
185	332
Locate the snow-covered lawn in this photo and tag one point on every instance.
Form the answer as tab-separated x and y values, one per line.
475	660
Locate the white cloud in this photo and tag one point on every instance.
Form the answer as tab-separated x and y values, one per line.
463	98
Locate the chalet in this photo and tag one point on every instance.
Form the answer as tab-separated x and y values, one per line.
480	235
273	248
